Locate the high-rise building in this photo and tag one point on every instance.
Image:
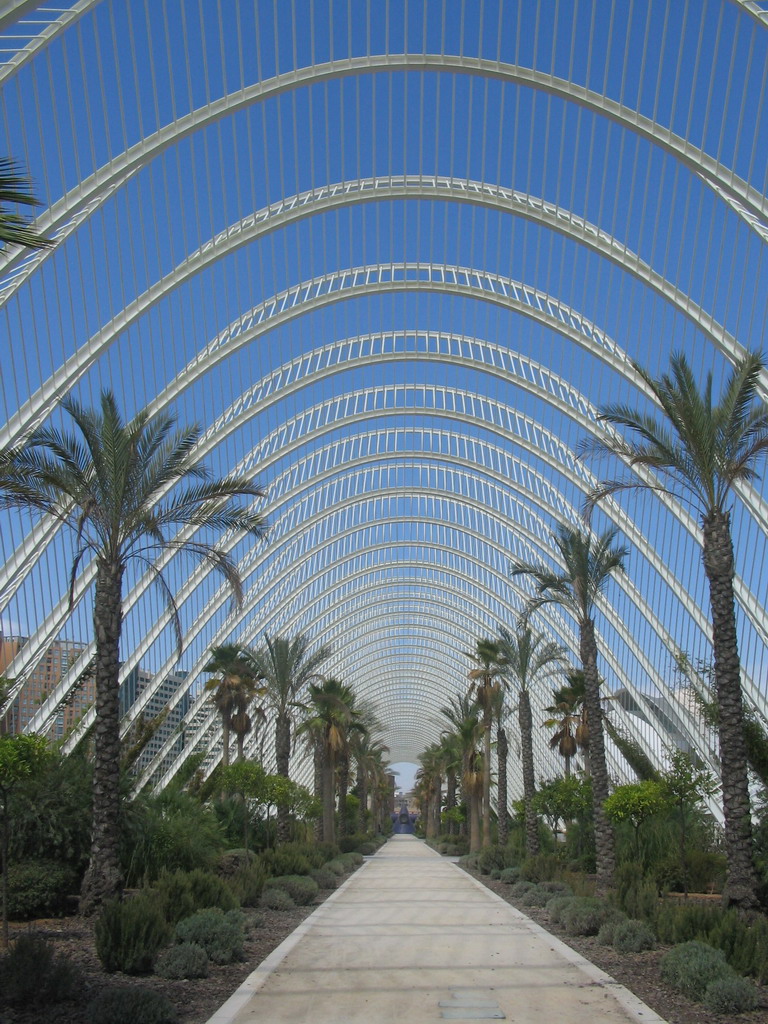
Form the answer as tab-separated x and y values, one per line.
42	679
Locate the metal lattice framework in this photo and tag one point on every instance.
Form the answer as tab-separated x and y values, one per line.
392	256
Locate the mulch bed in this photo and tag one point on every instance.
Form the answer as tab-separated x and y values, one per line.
639	972
195	1000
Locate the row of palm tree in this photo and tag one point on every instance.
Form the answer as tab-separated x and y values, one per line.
284	674
695	453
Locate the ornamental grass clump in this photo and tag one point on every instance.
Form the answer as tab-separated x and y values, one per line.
221	935
301	888
692	966
187	960
130	1005
129	934
325	879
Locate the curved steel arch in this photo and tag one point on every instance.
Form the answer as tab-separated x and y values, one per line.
746	202
524	441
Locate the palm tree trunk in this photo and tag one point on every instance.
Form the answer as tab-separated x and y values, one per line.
450	799
343	790
318	786
6	836
104	880
487	723
329	787
502	752
362	793
741	883
437	805
525	719
605	855
474	823
282	765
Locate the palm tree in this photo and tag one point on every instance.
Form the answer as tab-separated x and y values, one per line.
698	451
500	714
485	685
368	753
331	718
570	723
588	563
429	779
122	488
462	715
232	691
15	189
286	665
528	658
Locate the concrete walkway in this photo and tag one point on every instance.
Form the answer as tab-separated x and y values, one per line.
411	937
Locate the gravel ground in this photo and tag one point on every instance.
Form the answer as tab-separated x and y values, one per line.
639	972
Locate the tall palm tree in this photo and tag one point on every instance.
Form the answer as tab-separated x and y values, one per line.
501	711
698	450
231	691
588	563
528	659
368	753
451	754
124	489
463	715
286	665
429	780
330	720
568	719
16	190
485	685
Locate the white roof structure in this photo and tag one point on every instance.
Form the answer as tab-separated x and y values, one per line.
392	256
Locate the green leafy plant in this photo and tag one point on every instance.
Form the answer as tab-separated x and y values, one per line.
129	1004
337	867
584	916
129	934
247	884
556	907
608	929
509	875
39	888
221	935
325	879
186	960
287	861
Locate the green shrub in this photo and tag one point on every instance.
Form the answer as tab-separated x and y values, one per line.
557	905
325	879
536	897
692	966
187	960
635	894
129	1005
337	866
247	884
731	994
352	859
288	860
323	852
129	934
233	861
541	868
704	871
633	937
491	857
368	849
221	935
509	875
743	939
301	888
608	928
183	893
556	888
521	888
584	916
351	844
276	899
39	888
30	974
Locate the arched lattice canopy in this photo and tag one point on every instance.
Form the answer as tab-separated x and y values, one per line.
392	256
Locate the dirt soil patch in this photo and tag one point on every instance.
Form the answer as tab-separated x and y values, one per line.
639	972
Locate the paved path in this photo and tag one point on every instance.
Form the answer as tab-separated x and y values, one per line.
412	938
